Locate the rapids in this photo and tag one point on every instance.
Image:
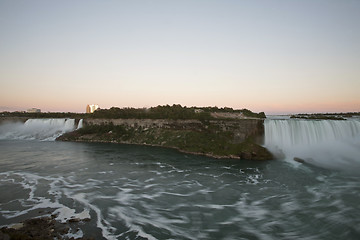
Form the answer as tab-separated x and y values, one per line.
140	192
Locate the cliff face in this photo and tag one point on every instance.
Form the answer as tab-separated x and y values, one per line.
217	138
242	129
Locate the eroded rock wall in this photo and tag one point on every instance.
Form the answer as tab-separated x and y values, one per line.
241	128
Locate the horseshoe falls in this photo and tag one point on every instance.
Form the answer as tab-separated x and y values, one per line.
326	143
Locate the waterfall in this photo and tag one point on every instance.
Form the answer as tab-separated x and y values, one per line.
322	142
37	129
80	124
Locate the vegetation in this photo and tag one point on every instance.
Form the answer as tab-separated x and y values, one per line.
175	111
159	112
317	117
348	114
44	115
107	131
326	116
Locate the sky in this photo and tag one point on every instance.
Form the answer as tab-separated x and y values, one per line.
276	56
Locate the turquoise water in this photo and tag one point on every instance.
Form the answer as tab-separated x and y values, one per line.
137	192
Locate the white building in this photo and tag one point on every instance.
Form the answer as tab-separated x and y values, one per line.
34	110
91	108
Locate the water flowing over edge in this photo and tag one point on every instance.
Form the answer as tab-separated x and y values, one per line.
38	129
329	143
138	199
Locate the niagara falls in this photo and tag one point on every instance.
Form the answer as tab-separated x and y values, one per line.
179	120
145	192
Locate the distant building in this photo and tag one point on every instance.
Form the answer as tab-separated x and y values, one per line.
91	108
34	110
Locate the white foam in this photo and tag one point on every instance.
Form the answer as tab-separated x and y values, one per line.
328	143
64	214
37	129
133	219
30	182
101	223
78	234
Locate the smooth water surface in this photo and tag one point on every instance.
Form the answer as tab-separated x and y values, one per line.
137	192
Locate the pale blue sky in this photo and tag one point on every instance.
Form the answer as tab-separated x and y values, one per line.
272	56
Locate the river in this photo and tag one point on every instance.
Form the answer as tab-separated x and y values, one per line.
139	192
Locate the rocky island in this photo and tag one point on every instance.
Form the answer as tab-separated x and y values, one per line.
219	133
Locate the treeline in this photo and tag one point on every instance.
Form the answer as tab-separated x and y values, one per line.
317	117
348	114
326	116
245	112
44	115
175	111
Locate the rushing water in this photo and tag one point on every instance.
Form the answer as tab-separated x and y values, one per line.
37	129
325	143
138	192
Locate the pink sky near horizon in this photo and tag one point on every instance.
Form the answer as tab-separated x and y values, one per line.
272	56
269	109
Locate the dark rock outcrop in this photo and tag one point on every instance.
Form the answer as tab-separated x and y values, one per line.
45	228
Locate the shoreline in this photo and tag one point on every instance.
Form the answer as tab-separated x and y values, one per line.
159	146
210	155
